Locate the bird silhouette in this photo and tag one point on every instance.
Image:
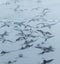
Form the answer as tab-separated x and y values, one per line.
47	61
48	25
28	27
45	11
38	46
28	42
19	23
4	52
26	46
20	38
47	50
11	62
36	8
46	35
4	34
6	24
2	37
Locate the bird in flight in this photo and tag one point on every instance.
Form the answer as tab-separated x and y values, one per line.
6	24
26	46
11	62
46	35
4	52
43	25
45	49
47	61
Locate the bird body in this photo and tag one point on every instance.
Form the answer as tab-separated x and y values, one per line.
46	35
45	49
47	61
26	46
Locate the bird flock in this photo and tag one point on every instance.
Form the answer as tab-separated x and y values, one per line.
27	35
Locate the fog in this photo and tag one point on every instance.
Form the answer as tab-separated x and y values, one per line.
28	29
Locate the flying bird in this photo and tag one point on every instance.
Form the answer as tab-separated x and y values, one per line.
47	61
26	46
20	38
28	42
45	11
4	52
43	25
19	23
5	24
47	50
11	62
38	46
48	25
44	49
4	34
46	35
